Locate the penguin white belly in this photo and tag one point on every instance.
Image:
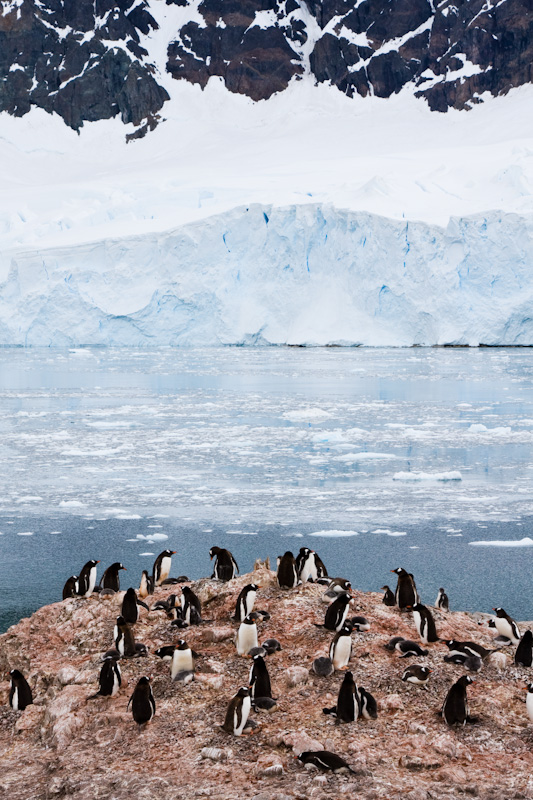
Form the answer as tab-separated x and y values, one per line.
116	681
505	628
182	661
249	602
246	639
15	700
342	653
529	705
309	570
421	626
245	710
165	568
92	582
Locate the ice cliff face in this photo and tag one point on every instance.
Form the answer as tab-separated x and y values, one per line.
295	275
92	60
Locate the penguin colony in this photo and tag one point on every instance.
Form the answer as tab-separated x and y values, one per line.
354	703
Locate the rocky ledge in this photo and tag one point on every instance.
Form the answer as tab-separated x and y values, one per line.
65	745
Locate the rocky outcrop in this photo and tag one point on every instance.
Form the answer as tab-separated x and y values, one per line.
66	745
92	60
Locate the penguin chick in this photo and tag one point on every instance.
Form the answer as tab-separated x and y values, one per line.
325	761
142	702
237	712
388	597
264	704
442	601
271	646
417	675
323	667
20	695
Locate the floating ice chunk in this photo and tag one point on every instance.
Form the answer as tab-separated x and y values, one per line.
348	458
333	534
54	533
242	533
328	436
388	532
71	504
128	516
146	554
152	537
454	475
477	427
306	415
526	542
25	533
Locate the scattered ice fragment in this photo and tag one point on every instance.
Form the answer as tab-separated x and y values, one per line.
477	427
350	457
71	504
152	537
25	533
333	533
54	533
306	415
454	475
526	542
389	532
146	554
243	533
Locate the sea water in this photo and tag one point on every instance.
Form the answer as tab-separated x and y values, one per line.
420	458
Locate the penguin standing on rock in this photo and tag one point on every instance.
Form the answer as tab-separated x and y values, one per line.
130	606
367	704
442	601
191	609
506	626
226	568
183	662
406	594
524	652
529	701
110	579
20	694
147	585
287	571
110	679
125	642
310	566
245	602
237	712
455	708
161	568
246	637
87	579
425	624
142	702
259	679
347	708
340	648
337	613
70	589
388	597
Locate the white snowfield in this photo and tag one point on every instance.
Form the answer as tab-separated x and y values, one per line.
308	219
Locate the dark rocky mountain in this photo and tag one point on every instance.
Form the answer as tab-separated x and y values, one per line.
91	59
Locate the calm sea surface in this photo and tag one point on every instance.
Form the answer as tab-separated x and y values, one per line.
375	458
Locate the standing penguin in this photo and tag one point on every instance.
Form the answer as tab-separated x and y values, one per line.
110	679
337	612
388	597
259	679
524	652
20	694
246	635
347	708
442	601
225	567
161	568
245	601
310	566
367	704
529	701
183	662
142	702
455	708
130	606
506	626
70	589
191	609
340	648
425	624
147	584
110	579
287	572
406	594
124	639
87	579
238	711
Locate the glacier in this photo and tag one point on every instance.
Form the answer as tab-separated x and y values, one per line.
298	275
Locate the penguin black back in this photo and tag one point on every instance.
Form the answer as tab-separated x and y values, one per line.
348	700
524	654
130	607
70	589
20	694
142	702
336	613
406	594
455	708
259	678
110	579
225	567
388	597
287	572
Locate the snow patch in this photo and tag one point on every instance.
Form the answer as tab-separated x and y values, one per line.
454	475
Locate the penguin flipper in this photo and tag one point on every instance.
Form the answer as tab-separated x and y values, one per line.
332	710
143	604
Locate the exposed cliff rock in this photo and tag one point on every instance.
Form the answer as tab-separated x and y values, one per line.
68	746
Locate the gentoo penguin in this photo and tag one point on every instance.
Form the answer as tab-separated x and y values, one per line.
506	626
465	650
310	566
110	679
455	708
271	646
347	708
20	694
245	601
442	601
142	702
388	597
359	624
524	656
161	568
337	613
417	674
339	585
425	624
238	711
529	701
287	572
391	644
225	567
183	661
110	579
408	648
323	667
324	760
259	679
130	606
367	704
246	635
147	584
87	579
191	609
124	639
340	648
168	604
406	594
70	589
